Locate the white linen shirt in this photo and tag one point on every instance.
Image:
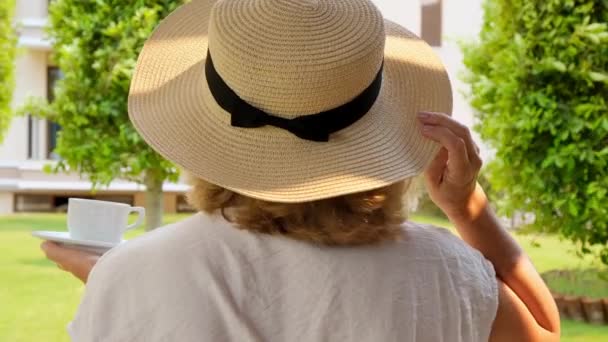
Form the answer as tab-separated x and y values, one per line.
202	279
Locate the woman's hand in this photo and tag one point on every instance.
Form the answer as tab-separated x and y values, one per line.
526	310
77	262
451	178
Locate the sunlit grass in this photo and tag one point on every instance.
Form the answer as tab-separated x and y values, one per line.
592	283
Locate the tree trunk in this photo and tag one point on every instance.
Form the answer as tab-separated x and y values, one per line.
154	200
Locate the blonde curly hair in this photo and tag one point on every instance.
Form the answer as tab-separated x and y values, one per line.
362	218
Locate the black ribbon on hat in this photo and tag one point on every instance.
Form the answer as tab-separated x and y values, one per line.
315	127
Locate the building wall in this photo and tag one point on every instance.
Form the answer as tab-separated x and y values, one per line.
7	203
404	12
13	147
30	71
30	81
31	9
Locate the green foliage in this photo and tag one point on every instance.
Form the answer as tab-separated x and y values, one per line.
96	44
539	78
8	40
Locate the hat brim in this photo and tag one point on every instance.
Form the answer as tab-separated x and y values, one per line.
172	108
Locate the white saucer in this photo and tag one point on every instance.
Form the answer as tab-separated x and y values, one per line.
99	247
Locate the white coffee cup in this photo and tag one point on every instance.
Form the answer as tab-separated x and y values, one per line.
100	220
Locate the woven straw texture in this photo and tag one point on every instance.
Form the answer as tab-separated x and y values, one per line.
288	58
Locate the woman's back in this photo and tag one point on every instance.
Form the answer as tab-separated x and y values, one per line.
203	280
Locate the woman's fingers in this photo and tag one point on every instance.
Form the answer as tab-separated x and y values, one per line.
434	173
460	130
59	254
451	176
456	147
54	252
77	262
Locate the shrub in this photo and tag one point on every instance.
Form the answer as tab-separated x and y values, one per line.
8	39
96	45
539	84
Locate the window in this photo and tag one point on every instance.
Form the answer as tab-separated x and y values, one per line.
53	74
30	137
53	129
33	137
431	22
33	203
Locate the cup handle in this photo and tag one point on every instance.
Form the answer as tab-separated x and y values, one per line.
140	216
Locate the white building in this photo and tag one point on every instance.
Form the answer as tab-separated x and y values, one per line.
29	142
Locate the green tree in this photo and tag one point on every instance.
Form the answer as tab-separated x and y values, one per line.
95	44
8	39
539	81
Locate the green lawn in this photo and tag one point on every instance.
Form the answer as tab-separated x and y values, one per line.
551	253
581	282
37	300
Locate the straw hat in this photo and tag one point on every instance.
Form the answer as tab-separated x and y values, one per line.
288	100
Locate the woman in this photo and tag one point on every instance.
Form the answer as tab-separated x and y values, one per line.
302	122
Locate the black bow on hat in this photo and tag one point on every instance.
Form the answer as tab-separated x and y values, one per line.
314	127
